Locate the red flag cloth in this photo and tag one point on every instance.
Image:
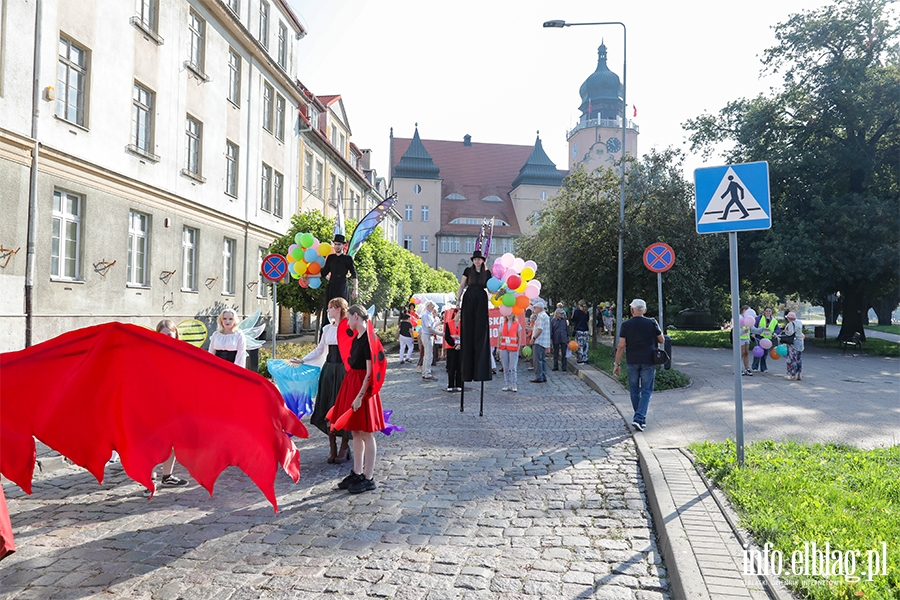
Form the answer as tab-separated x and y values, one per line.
635	110
126	388
345	337
7	543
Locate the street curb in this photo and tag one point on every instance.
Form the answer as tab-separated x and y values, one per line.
51	463
685	578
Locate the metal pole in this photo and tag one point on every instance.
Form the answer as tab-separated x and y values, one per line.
662	323
31	235
620	291
274	315
736	346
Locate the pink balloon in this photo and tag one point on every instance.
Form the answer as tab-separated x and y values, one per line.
532	291
498	270
507	274
749	321
532	264
507	260
518	265
765	343
536	284
505	310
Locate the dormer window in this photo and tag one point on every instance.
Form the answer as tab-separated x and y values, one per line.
491	199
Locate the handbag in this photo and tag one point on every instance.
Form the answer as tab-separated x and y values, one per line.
660	357
788	339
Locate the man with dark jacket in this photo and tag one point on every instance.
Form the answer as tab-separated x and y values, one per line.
559	337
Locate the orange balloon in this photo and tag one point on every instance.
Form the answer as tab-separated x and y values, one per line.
517	310
313	268
522	302
573	345
774	354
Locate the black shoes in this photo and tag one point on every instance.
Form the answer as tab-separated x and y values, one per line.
362	485
349	480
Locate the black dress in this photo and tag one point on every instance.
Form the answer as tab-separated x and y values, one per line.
339	265
474	333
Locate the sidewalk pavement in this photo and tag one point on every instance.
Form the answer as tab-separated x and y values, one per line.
844	399
540	497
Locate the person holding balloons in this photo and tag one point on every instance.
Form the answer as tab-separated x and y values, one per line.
472	302
580	319
337	267
766	329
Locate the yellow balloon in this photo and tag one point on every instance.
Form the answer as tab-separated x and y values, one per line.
522	287
496	301
527	273
324	249
300	267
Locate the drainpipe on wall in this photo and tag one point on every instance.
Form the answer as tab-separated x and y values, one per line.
32	184
247	198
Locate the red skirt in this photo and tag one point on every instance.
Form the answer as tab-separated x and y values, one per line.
370	415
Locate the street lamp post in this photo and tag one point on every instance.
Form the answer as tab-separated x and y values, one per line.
619	283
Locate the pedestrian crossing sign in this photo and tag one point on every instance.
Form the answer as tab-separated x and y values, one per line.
733	198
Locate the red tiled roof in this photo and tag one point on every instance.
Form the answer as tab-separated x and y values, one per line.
329	100
475	172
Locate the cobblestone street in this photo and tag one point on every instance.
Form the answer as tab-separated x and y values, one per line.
542	496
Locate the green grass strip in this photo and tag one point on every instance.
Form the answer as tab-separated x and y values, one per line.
793	495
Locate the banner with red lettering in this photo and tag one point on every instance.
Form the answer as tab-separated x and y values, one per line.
495	322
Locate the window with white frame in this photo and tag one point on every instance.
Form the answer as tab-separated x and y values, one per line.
407	212
407	242
277	194
313	116
340	190
492	250
455	244
193	139
235	6
65	244
424	212
197	27
262	290
332	189
266	189
147	12
470	244
320	179
307	170
264	24
279	116
142	119
228	266
234	77
71	80
445	245
333	136
342	144
138	235
282	45
190	238
268	106
423	243
231	169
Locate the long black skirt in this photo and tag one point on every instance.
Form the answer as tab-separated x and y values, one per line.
475	336
329	385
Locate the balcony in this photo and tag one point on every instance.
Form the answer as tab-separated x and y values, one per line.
610	123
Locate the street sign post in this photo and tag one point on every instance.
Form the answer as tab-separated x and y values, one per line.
274	268
729	199
659	258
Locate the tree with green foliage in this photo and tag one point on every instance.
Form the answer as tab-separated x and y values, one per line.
576	245
388	275
831	138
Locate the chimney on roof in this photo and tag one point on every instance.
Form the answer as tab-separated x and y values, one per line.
467	140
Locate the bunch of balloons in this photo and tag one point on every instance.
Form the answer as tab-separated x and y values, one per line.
413	318
306	257
513	285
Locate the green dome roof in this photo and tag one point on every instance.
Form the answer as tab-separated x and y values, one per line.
416	163
538	169
601	92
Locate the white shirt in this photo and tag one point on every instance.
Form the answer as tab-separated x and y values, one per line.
316	358
230	341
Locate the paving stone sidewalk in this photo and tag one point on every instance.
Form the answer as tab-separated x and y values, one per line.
541	497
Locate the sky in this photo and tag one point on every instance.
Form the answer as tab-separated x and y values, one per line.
489	69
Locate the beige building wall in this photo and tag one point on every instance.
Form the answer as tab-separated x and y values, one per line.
591	146
419	193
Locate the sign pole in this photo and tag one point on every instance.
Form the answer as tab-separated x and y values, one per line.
736	344
662	323
274	315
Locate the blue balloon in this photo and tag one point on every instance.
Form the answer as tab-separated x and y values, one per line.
315	282
310	255
321	261
494	284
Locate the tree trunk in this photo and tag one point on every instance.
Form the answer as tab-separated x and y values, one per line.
883	308
853	309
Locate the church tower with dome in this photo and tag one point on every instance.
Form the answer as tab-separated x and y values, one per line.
596	141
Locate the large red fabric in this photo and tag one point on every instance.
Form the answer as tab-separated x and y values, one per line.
126	388
345	337
7	543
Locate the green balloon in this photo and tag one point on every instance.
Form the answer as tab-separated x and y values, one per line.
297	237
526	351
297	253
307	240
509	299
